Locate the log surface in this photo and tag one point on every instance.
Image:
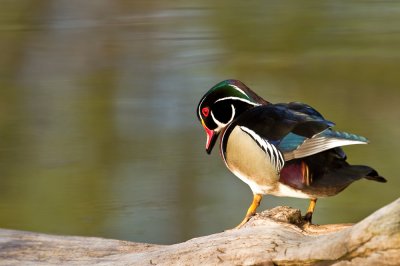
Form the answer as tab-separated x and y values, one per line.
274	237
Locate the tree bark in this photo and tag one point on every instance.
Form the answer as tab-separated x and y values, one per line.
274	237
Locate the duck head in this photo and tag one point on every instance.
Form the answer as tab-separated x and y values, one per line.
222	104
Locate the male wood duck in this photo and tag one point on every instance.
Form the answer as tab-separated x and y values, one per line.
284	149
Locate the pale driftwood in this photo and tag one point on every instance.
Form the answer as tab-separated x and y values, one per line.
274	237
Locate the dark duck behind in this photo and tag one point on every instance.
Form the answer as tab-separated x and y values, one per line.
284	149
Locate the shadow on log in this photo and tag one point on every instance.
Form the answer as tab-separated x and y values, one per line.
274	237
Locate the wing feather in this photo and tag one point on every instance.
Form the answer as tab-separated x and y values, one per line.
296	129
323	141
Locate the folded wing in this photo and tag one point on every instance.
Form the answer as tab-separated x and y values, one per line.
296	129
294	146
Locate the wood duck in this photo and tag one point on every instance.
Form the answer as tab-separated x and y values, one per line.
284	149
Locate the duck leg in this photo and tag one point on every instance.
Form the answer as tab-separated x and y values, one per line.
310	210
252	209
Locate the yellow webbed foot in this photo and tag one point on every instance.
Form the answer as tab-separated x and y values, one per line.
251	211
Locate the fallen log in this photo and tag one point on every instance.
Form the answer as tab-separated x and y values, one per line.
274	237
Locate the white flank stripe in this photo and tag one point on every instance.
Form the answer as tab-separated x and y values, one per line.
275	156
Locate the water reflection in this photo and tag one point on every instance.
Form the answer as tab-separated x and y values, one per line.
97	124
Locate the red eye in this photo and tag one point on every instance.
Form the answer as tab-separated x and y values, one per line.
205	111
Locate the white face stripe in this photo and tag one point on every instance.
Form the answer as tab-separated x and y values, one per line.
233	98
239	99
220	124
239	90
200	106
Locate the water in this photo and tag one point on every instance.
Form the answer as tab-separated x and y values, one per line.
98	131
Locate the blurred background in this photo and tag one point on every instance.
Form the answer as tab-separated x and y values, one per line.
98	130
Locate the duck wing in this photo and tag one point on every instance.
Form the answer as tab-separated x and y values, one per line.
296	129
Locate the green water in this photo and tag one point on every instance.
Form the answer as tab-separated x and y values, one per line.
98	131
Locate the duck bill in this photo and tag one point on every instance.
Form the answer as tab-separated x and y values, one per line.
212	137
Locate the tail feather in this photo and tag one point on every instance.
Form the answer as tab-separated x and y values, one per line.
326	173
335	180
